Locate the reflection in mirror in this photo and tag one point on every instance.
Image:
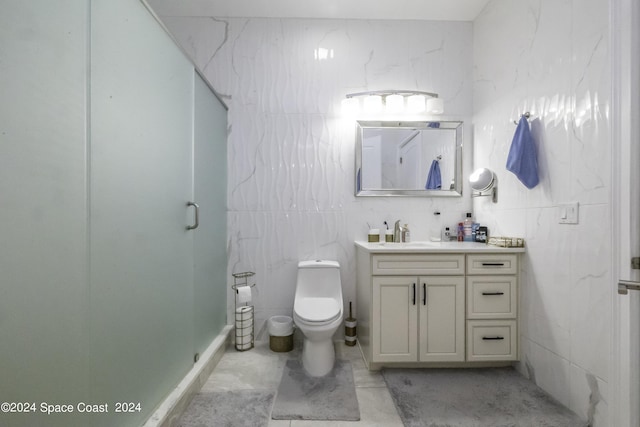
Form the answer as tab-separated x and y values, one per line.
414	158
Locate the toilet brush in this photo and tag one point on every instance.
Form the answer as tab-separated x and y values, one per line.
350	324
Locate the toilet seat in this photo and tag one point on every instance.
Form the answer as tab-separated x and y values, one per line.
317	310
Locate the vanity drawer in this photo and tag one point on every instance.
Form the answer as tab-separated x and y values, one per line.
492	264
417	264
492	297
492	340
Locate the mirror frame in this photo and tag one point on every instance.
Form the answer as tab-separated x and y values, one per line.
361	125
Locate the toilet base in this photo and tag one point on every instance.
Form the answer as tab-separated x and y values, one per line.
318	357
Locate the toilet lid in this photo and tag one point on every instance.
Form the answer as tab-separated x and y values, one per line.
317	309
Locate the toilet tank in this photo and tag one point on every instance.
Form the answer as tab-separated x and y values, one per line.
319	278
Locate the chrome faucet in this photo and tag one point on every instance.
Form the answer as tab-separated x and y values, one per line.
397	232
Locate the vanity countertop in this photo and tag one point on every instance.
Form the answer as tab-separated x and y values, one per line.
434	247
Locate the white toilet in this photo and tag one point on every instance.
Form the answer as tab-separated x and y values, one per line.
318	311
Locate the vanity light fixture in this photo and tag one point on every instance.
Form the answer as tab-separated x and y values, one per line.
393	102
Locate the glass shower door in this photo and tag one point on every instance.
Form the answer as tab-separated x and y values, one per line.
210	192
141	254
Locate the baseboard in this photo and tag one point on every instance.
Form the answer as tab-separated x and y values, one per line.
170	410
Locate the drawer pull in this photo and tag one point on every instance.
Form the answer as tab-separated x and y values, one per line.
493	264
414	294
492	338
493	293
424	294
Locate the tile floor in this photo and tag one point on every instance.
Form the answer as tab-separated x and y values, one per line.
261	369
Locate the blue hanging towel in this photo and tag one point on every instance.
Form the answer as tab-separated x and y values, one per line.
522	159
434	181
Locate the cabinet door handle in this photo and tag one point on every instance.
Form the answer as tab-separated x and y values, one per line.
493	293
424	294
414	294
197	217
492	338
493	264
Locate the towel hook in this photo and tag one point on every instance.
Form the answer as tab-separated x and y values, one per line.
526	115
439	157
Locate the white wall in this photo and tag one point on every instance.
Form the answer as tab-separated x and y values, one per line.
291	154
552	58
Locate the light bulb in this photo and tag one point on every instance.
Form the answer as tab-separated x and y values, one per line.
394	103
435	106
350	106
373	104
416	104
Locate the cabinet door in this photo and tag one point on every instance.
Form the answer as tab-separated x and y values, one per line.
442	319
395	319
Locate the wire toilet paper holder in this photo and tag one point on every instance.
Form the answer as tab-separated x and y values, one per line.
244	324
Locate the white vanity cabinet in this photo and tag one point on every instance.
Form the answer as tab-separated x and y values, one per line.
442	306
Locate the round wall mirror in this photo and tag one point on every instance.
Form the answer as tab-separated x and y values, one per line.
483	183
482	179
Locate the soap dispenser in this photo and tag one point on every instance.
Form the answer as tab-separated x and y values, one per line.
406	235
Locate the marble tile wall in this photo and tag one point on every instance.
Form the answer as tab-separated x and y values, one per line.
291	156
291	153
551	57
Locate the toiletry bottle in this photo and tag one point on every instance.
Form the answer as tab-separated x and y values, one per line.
474	232
468	228
460	232
406	236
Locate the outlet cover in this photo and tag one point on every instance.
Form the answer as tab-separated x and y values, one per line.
568	213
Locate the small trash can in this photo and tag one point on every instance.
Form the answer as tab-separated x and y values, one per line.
280	333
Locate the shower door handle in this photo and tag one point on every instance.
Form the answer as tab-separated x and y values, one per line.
624	286
197	217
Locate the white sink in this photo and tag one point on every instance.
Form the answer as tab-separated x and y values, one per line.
417	244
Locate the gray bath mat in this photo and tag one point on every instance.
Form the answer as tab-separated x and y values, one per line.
473	397
303	397
244	408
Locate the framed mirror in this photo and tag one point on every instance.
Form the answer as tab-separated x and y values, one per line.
409	158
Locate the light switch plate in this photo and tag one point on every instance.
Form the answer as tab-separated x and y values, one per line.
568	213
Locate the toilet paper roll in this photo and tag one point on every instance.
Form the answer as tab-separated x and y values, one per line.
244	327
244	313
244	294
244	324
244	321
